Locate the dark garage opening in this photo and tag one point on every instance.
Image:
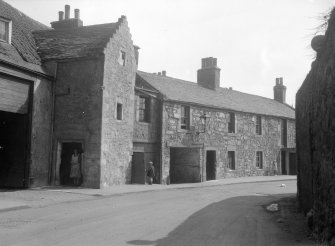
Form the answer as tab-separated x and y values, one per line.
184	165
210	165
13	149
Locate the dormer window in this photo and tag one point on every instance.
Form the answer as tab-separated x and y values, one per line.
5	30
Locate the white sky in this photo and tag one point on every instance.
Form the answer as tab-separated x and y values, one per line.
255	41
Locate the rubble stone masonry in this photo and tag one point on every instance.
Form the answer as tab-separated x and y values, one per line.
245	142
315	115
118	88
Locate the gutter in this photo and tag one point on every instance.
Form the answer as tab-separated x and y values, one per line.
27	69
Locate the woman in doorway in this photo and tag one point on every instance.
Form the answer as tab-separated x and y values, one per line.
75	173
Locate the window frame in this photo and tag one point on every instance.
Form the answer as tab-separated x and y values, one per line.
258	129
122	58
231	165
144	109
231	125
118	112
185	117
259	159
8	30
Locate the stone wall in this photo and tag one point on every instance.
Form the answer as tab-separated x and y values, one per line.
117	135
244	141
315	114
41	132
78	111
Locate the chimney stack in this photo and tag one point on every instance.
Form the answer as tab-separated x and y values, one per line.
61	15
279	91
209	74
164	73
67	23
67	12
77	14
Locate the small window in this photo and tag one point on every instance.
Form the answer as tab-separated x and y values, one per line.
231	160
119	113
4	31
144	109
122	58
231	123
258	125
259	159
185	117
284	133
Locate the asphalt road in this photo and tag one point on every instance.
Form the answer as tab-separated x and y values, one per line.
222	215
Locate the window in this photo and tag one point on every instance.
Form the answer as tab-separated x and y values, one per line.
122	58
231	160
284	133
185	117
231	123
4	30
259	159
144	109
119	114
259	125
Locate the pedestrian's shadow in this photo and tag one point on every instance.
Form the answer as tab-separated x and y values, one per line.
234	221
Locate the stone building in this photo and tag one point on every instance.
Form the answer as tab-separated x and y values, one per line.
77	87
74	86
315	105
207	132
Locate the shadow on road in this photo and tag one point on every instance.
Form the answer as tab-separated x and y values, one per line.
234	221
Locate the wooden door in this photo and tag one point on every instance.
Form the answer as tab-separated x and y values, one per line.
138	168
210	165
292	164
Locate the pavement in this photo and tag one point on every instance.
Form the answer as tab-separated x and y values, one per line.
46	196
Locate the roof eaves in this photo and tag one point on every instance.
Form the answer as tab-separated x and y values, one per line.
222	108
32	68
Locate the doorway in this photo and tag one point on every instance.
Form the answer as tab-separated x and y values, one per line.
138	168
67	149
210	165
184	165
292	163
283	163
13	149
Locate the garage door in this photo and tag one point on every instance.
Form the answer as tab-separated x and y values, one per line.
14	95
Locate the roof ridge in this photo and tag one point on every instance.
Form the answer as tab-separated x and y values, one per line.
221	88
26	16
185	91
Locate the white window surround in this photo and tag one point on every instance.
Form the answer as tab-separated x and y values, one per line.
8	26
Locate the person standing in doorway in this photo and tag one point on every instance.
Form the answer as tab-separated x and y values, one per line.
75	172
151	172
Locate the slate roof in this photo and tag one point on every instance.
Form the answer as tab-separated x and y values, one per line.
189	92
23	48
86	41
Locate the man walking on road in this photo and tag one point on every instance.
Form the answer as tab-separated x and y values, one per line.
151	172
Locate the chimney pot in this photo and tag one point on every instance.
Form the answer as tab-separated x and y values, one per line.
159	73
61	15
67	12
164	73
77	14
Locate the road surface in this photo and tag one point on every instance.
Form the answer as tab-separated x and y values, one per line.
221	215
